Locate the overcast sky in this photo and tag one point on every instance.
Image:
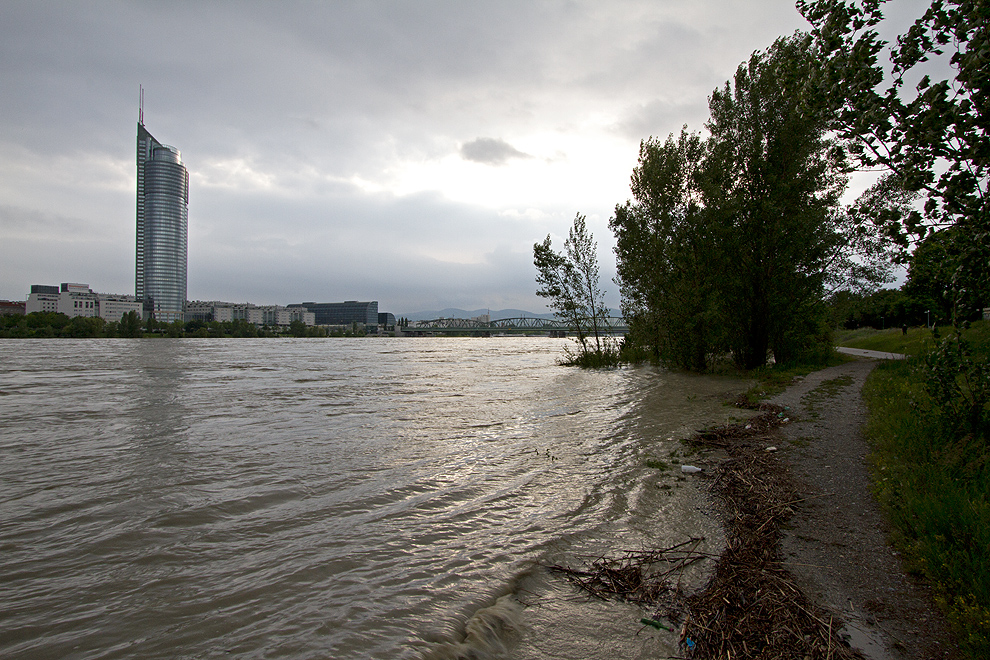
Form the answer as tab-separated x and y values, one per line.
406	152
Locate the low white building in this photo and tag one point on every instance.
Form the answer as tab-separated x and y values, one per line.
78	300
74	299
43	298
114	306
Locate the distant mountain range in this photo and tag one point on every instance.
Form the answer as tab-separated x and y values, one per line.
454	313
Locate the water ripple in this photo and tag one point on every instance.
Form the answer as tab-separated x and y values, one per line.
303	499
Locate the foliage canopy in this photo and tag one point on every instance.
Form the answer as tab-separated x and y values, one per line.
731	241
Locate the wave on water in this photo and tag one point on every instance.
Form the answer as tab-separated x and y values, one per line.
487	634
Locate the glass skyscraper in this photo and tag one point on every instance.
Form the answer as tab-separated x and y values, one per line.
162	228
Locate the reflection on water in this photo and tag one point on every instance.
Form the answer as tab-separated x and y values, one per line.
328	498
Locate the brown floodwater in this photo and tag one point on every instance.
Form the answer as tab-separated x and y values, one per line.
339	498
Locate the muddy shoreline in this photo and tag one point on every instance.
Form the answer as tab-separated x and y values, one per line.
806	571
802	517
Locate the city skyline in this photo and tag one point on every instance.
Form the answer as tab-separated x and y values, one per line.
410	153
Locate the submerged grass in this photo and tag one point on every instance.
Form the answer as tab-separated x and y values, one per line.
934	485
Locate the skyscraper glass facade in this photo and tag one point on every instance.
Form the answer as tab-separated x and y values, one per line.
161	249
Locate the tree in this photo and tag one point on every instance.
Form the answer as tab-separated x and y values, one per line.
130	325
776	182
297	328
194	326
934	279
54	320
935	138
667	256
174	329
570	282
730	242
84	327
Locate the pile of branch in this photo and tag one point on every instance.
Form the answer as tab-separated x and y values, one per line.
751	606
734	437
641	577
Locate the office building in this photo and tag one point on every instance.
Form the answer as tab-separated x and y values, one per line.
345	313
162	228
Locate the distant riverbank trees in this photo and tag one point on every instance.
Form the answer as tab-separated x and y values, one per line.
40	325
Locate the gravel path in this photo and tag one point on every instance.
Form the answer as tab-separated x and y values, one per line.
836	544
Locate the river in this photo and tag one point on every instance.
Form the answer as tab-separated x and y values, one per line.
338	498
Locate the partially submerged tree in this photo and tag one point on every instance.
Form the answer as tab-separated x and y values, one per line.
731	242
570	282
667	254
776	181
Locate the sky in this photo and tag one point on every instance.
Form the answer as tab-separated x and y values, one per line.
409	152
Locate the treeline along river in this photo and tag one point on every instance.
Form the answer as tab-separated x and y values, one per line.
338	498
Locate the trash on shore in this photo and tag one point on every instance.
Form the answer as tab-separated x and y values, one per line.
656	624
690	469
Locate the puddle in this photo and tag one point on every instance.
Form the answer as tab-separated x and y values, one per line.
866	639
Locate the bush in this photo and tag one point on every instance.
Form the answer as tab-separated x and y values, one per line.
607	354
927	427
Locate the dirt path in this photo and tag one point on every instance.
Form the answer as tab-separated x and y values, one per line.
835	544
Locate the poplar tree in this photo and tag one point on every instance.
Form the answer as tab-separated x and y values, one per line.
667	256
775	182
726	246
570	281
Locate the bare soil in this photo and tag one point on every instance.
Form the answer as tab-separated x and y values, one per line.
835	544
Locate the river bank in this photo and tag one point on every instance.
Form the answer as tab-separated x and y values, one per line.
806	570
835	543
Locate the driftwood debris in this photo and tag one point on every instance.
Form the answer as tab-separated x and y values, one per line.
751	606
642	577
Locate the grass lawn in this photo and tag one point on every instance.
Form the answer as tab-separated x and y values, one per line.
889	341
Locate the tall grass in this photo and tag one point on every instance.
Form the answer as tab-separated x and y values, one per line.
603	354
932	477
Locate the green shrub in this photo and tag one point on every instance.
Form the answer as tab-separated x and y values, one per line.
927	428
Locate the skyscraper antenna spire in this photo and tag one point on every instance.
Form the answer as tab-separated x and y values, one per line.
141	105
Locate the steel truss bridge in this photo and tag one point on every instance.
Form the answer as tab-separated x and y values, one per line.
613	326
